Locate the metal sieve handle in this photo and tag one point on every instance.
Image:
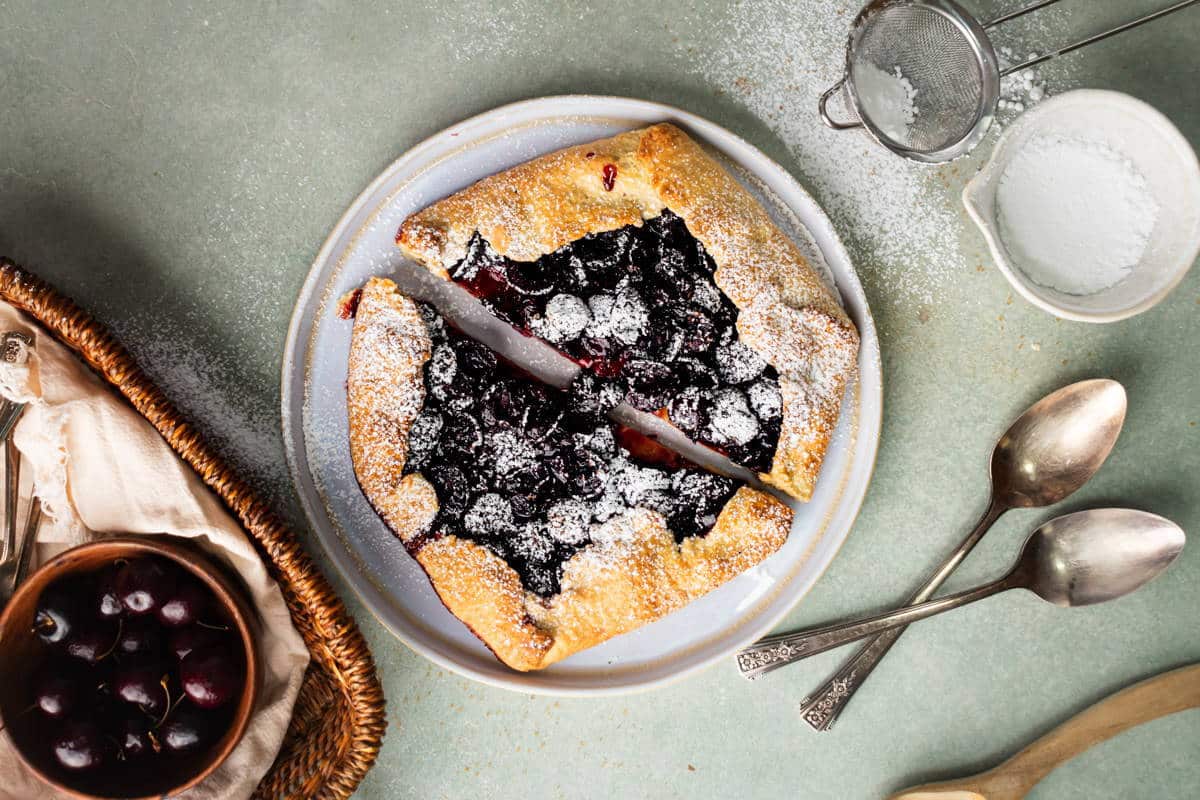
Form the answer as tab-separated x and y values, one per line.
824	101
1082	42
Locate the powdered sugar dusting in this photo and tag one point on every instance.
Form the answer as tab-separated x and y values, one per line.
242	426
777	60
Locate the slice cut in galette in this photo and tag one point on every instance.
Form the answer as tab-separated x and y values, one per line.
643	260
542	525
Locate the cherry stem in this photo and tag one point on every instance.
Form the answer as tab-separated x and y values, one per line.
170	706
213	627
117	638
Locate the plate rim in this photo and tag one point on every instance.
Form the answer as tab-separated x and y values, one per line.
343	562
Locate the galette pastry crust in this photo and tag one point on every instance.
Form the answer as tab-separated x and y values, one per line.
639	574
786	311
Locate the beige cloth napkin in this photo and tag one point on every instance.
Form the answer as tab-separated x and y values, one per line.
101	469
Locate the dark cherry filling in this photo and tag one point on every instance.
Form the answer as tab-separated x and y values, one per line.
534	473
639	306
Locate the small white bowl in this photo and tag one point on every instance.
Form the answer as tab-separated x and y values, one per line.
1160	153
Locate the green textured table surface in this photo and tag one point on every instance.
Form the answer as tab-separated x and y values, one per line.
175	167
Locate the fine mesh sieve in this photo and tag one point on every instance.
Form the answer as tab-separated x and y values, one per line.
922	76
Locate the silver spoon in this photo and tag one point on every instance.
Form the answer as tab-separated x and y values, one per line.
1076	560
1050	451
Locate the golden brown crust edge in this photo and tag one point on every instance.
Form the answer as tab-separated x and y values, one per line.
639	575
786	312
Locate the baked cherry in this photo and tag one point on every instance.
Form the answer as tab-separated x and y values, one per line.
499	406
699	332
531	278
524	506
578	470
461	436
590	399
453	491
144	584
210	678
651	384
684	410
80	746
476	360
695	372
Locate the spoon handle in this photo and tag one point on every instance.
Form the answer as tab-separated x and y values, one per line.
759	658
822	707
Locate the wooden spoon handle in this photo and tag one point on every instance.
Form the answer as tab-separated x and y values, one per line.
1177	690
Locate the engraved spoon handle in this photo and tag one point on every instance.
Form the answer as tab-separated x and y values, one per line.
839	685
818	640
822	707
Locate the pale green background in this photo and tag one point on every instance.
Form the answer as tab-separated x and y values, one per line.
175	167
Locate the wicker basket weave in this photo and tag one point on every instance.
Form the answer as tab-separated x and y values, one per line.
338	721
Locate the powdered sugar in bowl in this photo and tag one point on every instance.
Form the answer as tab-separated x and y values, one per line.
1090	205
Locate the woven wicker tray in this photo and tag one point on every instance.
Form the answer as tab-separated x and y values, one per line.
338	721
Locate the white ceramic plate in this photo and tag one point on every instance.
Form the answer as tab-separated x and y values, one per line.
315	426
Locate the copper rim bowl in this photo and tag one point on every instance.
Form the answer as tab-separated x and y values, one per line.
22	653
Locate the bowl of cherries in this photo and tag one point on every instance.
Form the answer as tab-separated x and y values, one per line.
130	668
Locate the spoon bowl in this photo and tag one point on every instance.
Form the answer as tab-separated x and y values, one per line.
1057	445
1093	556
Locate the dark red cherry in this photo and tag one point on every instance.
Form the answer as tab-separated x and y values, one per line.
92	642
143	685
134	736
144	584
609	177
108	598
57	615
80	746
210	677
139	636
56	690
186	605
185	731
195	637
